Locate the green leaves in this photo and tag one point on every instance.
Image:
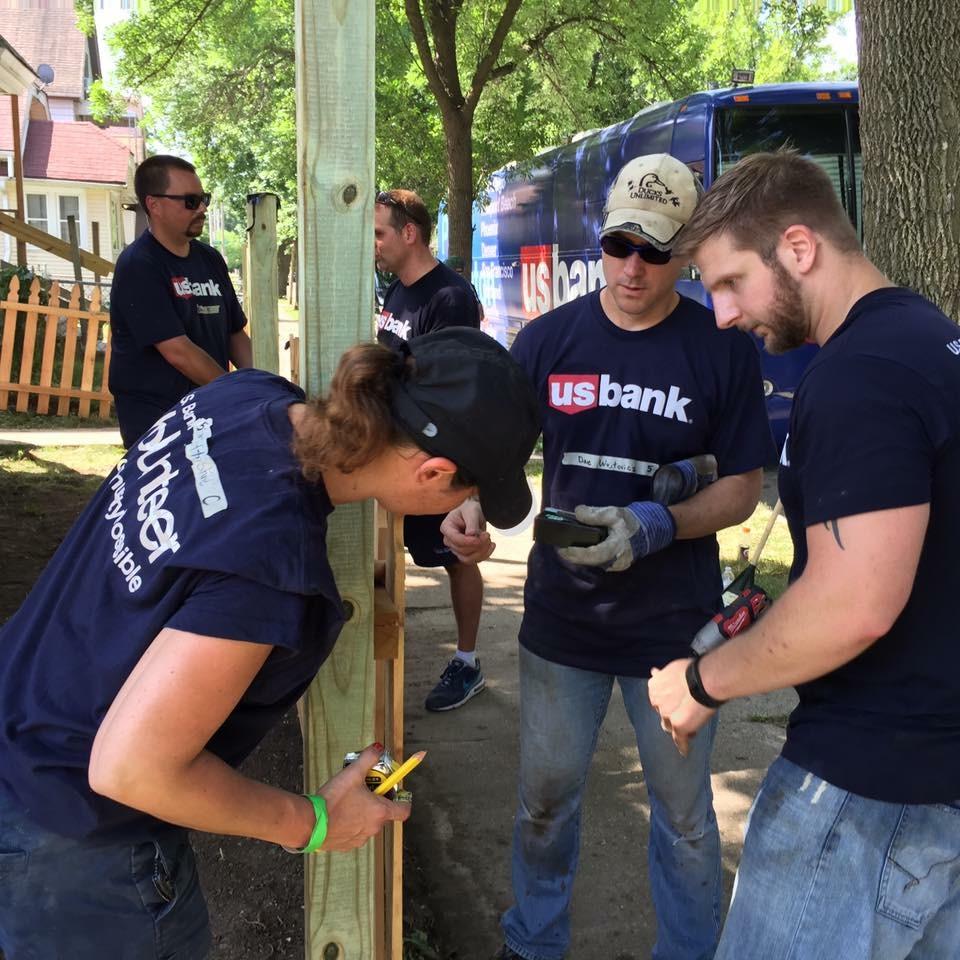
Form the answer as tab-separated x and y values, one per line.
220	77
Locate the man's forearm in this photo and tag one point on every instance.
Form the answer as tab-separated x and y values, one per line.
192	361
723	503
812	629
241	350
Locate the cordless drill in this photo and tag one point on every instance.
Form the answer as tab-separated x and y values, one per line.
734	618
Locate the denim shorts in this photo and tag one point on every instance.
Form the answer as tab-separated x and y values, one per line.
97	900
826	873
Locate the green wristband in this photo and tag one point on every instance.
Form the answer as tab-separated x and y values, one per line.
319	828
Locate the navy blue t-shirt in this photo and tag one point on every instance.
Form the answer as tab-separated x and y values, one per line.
616	404
440	298
206	526
876	425
156	296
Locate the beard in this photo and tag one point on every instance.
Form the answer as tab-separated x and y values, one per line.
786	319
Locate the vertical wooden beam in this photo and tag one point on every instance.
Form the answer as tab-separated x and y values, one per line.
335	112
74	234
18	176
260	282
95	233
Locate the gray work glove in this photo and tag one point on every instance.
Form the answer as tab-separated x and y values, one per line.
634	531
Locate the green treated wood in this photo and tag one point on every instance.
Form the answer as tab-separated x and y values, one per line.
335	159
260	284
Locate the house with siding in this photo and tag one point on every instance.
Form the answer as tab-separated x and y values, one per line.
70	165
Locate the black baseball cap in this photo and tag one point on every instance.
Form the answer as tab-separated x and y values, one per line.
465	398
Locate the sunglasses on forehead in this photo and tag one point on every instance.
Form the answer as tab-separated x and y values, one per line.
621	249
389	200
190	200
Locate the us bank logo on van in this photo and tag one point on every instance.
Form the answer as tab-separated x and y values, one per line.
546	281
575	393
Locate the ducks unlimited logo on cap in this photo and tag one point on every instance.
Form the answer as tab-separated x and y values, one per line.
651	198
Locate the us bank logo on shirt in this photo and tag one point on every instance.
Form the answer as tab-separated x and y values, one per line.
390	324
575	393
184	288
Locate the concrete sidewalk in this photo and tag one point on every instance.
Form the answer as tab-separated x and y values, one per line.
460	832
77	437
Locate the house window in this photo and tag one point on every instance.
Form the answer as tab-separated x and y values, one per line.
68	206
4	167
37	211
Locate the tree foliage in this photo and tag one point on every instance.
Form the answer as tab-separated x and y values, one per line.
85	20
515	76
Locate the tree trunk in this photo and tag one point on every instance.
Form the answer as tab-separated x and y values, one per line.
910	131
458	132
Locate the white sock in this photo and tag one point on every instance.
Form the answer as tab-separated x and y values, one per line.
470	659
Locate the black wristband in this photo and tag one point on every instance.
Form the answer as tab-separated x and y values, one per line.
695	686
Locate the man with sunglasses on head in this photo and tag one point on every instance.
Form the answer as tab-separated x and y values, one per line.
175	321
425	296
630	377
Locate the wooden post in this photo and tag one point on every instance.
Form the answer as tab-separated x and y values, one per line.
260	288
292	277
75	250
95	240
18	176
335	111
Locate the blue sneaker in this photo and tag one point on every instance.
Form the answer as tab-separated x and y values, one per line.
458	683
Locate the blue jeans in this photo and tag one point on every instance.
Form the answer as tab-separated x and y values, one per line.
84	900
827	873
561	712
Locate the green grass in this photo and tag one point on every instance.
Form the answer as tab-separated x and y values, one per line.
774	566
287	311
50	466
10	420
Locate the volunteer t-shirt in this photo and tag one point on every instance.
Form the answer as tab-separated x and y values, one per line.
440	298
206	525
876	425
615	405
156	296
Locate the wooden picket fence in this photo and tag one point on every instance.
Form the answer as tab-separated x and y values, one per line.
54	353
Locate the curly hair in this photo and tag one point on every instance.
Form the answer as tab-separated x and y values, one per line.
354	423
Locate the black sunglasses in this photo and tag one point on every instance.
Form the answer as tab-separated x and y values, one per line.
389	200
621	249
190	200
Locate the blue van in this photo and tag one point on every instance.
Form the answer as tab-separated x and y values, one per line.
535	233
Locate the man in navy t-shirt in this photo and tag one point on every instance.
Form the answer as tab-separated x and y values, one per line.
427	295
853	848
175	321
630	378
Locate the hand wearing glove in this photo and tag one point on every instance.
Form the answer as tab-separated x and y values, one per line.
681	479
633	532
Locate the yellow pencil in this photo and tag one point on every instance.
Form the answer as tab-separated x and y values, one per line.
400	773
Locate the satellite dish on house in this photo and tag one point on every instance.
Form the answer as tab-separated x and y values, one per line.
45	73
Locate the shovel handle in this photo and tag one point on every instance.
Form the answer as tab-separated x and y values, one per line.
762	542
